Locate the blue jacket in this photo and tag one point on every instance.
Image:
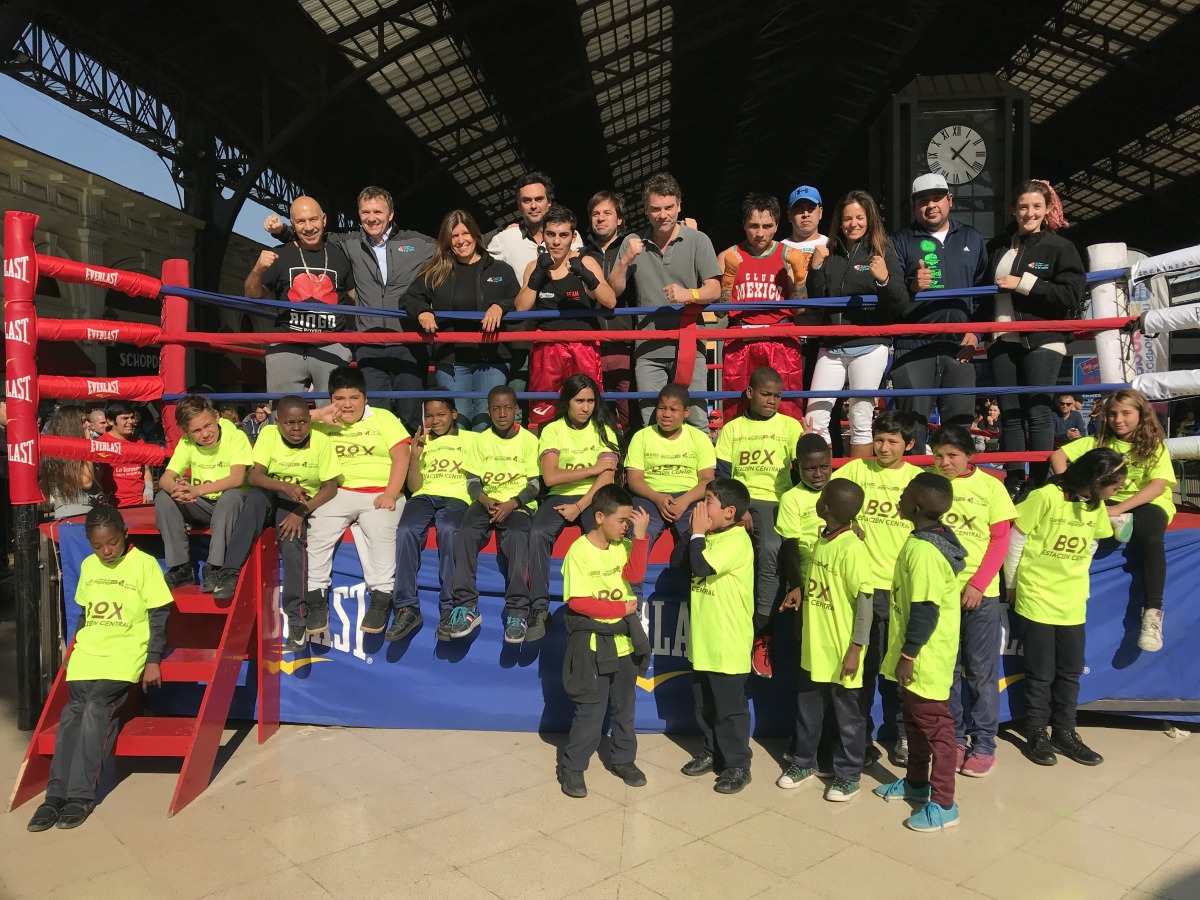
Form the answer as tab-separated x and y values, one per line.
961	261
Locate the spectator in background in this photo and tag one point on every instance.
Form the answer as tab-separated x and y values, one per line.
70	485
606	210
257	420
1068	420
230	412
130	483
1096	415
97	423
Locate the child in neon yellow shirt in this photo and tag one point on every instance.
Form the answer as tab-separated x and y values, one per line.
119	642
606	645
922	651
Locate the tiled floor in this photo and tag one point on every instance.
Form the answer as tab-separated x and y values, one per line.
330	812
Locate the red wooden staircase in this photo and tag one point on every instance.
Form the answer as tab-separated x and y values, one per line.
207	642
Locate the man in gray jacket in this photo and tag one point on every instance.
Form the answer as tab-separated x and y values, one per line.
384	261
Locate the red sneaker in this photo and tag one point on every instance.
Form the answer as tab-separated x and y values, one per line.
760	657
978	765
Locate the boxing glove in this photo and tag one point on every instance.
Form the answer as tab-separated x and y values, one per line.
577	268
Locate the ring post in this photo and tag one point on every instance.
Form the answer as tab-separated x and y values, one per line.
172	365
21	389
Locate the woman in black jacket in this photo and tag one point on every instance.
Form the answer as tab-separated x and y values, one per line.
1041	277
462	277
859	259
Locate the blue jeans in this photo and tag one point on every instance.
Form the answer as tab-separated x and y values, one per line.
421	513
479	377
976	690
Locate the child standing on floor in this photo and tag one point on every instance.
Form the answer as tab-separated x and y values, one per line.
606	645
119	642
798	524
835	609
1130	426
437	477
922	649
882	479
722	621
1058	527
981	518
758	449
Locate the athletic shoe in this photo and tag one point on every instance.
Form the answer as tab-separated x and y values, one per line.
46	815
900	751
932	817
1150	639
1039	749
1122	527
316	619
227	582
74	813
760	657
538	621
297	635
795	776
408	619
902	790
179	576
700	764
572	782
211	576
630	774
732	780
1071	745
842	790
978	765
375	619
463	620
515	628
872	754
960	757
443	629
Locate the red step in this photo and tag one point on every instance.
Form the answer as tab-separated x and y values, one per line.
141	736
190	599
189	664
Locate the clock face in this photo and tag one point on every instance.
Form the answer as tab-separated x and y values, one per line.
957	152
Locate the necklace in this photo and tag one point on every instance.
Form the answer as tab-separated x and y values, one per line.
304	262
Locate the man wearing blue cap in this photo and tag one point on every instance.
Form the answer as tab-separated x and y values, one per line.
804	211
937	253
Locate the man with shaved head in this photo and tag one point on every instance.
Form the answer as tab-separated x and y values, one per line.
307	270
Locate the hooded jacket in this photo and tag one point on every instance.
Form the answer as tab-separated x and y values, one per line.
847	272
923	617
1053	279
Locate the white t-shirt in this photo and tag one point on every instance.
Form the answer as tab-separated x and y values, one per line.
807	246
1004	305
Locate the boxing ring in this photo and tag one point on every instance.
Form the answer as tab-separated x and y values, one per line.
351	678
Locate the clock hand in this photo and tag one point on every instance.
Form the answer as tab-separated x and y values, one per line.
957	154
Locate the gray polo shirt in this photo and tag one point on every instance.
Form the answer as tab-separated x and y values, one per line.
689	260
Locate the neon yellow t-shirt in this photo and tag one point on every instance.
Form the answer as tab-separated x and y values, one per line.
589	571
722	611
760	453
208	464
1052	580
443	465
980	501
797	518
364	448
306	466
116	598
577	448
1137	476
924	575
503	465
839	571
884	529
670	465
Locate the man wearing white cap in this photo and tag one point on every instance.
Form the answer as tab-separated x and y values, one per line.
937	253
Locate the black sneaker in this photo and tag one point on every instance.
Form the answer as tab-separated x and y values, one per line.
227	582
297	635
1039	749
408	619
1071	745
872	754
463	620
46	815
74	813
375	619
538	620
731	781
572	783
443	629
316	619
179	576
900	751
211	575
700	764
630	774
515	629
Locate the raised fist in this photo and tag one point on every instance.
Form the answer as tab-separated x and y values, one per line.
272	224
540	273
879	269
819	255
733	262
266	259
797	264
586	275
633	247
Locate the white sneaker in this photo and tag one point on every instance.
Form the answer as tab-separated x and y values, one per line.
1151	638
1122	527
